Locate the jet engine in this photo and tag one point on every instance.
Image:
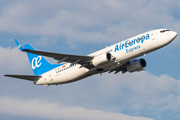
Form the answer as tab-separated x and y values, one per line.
136	65
100	59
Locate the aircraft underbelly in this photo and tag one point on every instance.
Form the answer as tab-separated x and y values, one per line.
70	75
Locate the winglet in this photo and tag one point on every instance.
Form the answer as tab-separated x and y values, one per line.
20	46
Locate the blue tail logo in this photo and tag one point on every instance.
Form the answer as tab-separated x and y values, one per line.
38	63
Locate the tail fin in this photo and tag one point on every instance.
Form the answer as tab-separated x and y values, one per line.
38	63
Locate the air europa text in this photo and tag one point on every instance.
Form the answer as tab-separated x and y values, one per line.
129	43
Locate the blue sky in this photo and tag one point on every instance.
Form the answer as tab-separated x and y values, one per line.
81	27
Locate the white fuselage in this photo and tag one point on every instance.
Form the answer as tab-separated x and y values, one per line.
121	52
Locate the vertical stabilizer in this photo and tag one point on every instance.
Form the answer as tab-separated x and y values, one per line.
38	63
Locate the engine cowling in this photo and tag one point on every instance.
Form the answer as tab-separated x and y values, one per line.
100	59
136	65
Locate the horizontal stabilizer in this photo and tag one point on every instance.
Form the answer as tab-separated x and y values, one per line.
25	77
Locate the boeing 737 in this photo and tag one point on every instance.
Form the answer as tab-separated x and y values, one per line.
116	58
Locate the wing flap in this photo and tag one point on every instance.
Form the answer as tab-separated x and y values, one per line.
25	77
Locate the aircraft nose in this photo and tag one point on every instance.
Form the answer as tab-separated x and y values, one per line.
173	34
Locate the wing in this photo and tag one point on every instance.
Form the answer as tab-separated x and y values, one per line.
121	69
62	57
25	77
83	60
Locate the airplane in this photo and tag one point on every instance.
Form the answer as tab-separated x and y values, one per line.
120	57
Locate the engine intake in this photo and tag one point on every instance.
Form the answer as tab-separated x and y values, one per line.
136	65
100	59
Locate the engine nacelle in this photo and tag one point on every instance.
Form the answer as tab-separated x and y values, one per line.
136	65
100	59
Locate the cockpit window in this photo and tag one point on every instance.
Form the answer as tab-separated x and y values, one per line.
164	31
